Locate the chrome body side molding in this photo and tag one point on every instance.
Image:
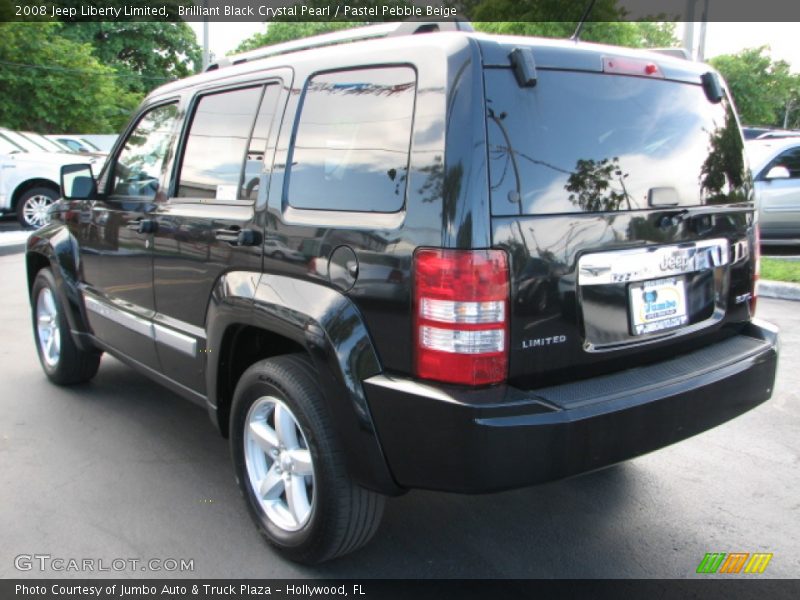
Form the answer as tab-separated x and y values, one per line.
176	334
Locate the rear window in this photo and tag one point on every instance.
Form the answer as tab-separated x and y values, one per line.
593	142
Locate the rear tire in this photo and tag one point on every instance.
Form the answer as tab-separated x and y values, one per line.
62	361
282	439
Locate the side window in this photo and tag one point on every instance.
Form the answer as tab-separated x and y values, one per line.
257	148
352	141
138	168
789	159
224	151
72	144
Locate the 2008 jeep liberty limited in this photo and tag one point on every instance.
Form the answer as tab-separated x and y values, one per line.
448	261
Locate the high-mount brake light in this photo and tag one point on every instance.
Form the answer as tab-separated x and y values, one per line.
461	315
631	66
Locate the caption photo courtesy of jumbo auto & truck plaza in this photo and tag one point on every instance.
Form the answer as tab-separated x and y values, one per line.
222	590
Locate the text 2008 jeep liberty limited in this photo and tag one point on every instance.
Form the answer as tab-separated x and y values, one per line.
448	261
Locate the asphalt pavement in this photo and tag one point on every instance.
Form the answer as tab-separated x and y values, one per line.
123	469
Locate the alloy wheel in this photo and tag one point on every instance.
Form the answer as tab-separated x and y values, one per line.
35	210
279	464
47	327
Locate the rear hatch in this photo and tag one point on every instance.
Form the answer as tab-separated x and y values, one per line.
620	191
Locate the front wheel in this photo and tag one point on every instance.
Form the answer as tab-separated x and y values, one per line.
33	207
290	467
63	362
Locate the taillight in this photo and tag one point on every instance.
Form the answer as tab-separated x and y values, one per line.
756	270
461	315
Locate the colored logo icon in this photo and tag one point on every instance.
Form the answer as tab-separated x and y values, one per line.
734	562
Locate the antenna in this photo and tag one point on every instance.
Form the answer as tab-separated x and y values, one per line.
576	36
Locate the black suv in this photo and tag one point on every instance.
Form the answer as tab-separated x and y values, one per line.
447	261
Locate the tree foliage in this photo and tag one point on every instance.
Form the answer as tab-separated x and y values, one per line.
559	19
634	34
51	84
144	54
638	34
763	89
284	31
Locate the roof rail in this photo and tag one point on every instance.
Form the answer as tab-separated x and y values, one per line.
356	34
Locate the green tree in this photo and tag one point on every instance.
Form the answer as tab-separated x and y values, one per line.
558	19
144	54
791	114
762	88
284	31
543	18
51	84
634	34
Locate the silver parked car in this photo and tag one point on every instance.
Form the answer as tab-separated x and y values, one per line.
776	173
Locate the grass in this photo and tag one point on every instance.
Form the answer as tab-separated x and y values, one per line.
780	270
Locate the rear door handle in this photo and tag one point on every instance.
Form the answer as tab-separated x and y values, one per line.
142	226
238	237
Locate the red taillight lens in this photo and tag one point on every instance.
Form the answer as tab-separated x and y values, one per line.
756	270
461	315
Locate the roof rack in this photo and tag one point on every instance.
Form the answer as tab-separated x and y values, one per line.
380	30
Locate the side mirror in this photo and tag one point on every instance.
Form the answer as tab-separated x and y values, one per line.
778	172
77	182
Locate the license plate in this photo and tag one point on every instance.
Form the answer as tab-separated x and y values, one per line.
657	305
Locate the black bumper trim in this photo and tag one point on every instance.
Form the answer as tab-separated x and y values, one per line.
442	439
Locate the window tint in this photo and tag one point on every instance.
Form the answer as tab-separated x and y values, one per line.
352	141
591	142
217	147
789	159
138	168
73	145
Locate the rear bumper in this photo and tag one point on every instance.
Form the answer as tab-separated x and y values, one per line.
451	439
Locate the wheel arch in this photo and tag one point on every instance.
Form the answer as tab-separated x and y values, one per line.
29	184
55	248
285	315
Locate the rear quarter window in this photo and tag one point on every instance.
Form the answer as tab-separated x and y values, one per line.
352	140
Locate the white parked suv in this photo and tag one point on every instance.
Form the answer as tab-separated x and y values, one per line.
29	181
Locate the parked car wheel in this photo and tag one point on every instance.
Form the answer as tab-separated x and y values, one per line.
33	206
63	362
290	467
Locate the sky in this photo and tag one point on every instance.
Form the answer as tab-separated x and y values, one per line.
721	38
729	38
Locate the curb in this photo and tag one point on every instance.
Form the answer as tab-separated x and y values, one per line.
13	241
6	249
778	289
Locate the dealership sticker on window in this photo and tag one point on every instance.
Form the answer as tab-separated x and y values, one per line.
226	192
658	305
